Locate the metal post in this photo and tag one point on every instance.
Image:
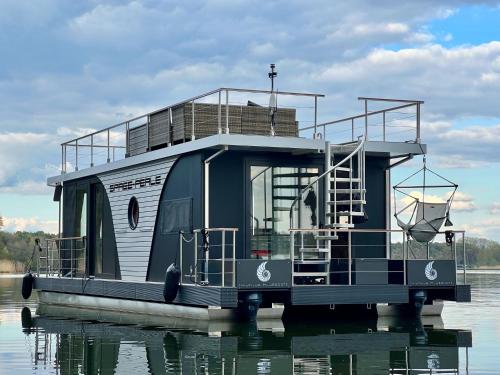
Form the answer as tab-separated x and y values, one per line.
292	253
234	257
193	137
127	130
428	250
169	133
315	116
227	111
223	250
465	258
196	257
352	129
418	123
108	147
219	119
405	245
62	159
181	233
92	150
76	154
366	119
71	257
207	258
147	133
65	157
383	125
349	248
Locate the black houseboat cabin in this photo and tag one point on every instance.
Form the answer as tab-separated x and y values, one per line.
260	208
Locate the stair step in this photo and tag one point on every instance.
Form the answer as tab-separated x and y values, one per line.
296	274
347	202
347	213
289	186
312	261
347	191
284	197
313	250
326	238
305	174
345	179
339	226
287	209
343	169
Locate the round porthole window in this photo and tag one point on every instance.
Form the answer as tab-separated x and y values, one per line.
133	212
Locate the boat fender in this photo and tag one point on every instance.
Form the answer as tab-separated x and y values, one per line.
27	286
171	286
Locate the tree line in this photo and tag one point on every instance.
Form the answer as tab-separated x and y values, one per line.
480	252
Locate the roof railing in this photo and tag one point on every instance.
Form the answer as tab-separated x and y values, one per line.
409	122
112	143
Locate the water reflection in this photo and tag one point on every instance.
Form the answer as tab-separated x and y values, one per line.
81	345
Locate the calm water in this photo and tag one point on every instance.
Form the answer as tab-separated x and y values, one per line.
50	344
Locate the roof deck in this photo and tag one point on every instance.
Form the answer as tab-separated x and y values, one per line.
242	118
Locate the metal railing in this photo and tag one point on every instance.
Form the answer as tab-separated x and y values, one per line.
352	241
395	123
210	251
112	143
63	257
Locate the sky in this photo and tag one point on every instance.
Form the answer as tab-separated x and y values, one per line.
67	68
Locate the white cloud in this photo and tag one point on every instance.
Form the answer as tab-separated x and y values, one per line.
32	224
495	208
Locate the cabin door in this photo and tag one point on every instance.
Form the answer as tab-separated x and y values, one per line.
95	244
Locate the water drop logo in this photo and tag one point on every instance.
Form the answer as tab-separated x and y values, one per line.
433	361
263	274
430	272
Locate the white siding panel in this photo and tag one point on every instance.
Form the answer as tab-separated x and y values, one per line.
134	246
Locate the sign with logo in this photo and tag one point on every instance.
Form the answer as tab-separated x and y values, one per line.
135	184
261	273
422	272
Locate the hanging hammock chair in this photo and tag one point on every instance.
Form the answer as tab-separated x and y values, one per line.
426	218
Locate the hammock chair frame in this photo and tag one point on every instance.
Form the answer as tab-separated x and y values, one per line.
400	188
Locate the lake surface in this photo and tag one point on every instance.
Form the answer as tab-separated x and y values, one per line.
36	340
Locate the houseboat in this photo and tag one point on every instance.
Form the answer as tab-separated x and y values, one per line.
240	203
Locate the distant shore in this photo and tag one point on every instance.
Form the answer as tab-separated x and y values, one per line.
11	267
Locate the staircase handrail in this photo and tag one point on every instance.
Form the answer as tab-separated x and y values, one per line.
361	143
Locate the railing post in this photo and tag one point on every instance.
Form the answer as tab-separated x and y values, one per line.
418	123
76	154
366	119
352	129
62	159
195	257
405	244
315	116
147	133
465	258
108	147
92	150
223	250
292	253
227	111
219	112
383	125
193	137
181	233
71	257
207	258
127	138
349	235
234	257
65	157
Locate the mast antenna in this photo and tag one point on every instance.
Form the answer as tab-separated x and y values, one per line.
273	100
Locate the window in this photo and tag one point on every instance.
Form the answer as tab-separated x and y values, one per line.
273	191
176	215
133	213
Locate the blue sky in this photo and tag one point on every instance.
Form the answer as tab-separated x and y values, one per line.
69	67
